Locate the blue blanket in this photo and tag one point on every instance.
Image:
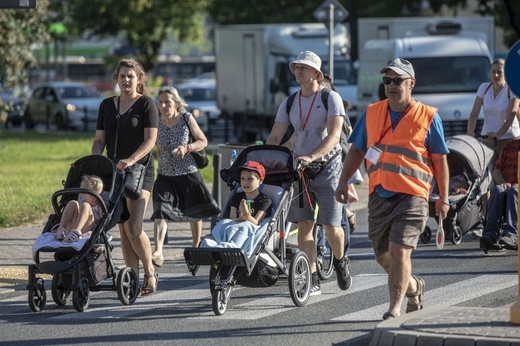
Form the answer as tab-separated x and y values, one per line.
232	234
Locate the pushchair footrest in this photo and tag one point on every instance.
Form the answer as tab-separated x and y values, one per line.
210	256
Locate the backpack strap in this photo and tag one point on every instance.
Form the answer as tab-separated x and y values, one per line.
508	90
325	92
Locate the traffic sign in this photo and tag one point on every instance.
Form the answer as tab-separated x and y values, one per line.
18	4
322	13
512	69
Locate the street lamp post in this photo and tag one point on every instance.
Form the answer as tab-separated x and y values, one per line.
331	13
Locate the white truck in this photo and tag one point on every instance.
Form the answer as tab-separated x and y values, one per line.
451	58
253	75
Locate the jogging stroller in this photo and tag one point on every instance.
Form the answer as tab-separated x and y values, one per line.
80	267
469	162
268	258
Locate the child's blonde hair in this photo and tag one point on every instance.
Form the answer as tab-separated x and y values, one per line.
92	182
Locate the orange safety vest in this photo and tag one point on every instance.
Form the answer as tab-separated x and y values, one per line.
405	165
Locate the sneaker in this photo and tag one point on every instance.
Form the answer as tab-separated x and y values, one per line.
342	273
487	241
508	242
315	289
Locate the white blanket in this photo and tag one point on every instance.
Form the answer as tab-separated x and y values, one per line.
231	234
46	241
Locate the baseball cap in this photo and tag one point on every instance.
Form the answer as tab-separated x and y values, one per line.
310	59
400	66
254	166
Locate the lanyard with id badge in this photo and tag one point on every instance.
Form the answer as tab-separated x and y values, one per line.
374	153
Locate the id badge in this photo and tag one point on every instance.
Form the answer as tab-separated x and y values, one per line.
373	154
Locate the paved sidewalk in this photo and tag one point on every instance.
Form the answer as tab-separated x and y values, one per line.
441	326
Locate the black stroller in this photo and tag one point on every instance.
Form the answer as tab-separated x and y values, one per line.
269	258
75	272
470	161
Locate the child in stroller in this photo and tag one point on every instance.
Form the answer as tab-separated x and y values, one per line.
261	258
247	210
83	265
81	216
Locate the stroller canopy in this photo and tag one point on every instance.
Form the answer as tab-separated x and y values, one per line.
469	155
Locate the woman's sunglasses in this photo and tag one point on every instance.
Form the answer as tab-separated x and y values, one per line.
397	80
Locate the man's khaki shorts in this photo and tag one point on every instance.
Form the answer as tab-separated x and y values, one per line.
399	219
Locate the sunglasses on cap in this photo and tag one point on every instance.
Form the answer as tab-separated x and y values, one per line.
397	80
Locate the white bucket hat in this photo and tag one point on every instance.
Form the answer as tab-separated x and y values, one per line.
310	59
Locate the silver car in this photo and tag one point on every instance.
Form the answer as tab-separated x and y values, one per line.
68	105
200	95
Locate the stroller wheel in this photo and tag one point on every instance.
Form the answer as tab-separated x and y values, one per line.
37	296
127	286
426	235
219	302
60	294
81	296
456	235
300	279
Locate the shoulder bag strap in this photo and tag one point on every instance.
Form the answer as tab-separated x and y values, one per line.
118	116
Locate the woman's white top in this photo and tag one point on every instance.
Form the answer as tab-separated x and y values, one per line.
495	111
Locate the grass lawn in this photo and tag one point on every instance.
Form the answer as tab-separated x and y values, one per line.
34	166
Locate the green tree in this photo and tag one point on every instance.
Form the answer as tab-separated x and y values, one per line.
20	29
143	24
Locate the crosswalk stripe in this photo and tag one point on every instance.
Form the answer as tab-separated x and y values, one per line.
449	295
452	294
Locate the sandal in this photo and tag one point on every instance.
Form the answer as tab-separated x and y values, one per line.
352	222
147	290
61	233
388	315
157	260
418	293
72	236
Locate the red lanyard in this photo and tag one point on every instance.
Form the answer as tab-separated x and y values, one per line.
397	120
310	108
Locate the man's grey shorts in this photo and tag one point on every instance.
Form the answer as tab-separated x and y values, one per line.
321	191
399	219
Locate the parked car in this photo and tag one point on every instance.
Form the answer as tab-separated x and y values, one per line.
201	95
65	104
12	108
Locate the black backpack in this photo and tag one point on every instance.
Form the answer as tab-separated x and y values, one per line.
345	131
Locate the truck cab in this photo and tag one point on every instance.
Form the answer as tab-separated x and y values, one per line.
449	65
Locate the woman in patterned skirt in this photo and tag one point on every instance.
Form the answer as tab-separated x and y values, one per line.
179	193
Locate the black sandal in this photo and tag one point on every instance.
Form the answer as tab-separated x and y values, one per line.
388	315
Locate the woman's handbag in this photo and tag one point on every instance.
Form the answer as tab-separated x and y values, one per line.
134	173
201	160
134	180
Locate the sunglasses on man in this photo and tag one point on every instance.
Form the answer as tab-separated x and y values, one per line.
397	80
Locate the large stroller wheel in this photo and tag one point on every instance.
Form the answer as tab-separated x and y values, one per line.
323	254
426	235
37	296
60	294
456	235
300	279
81	296
127	285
